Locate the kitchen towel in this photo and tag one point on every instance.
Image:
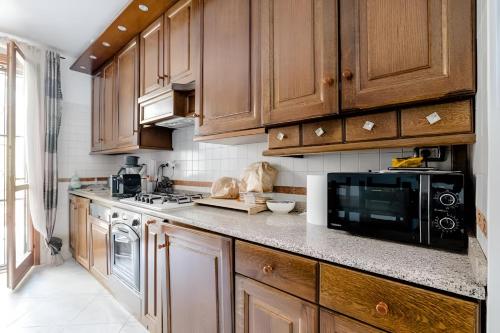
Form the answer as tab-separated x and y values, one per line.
317	199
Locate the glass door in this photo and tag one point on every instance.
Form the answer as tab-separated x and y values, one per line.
20	233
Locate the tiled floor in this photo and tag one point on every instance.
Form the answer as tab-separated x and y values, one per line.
62	299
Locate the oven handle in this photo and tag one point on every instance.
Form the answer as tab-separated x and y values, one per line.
133	236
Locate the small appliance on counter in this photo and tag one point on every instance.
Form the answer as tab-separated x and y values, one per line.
127	182
422	207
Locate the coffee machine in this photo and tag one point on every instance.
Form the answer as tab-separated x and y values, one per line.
127	181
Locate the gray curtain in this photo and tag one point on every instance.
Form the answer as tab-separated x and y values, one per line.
52	112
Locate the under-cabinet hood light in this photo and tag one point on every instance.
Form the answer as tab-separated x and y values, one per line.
143	7
106	44
93	57
122	28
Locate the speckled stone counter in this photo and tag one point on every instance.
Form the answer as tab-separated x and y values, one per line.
441	270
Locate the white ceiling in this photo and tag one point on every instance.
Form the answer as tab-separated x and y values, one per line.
68	25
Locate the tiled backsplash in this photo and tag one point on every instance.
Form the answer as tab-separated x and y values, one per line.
207	162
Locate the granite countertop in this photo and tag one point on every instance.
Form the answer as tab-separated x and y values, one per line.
437	269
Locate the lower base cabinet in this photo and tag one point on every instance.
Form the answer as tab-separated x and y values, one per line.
99	248
263	309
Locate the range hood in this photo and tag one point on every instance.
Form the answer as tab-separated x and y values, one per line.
171	108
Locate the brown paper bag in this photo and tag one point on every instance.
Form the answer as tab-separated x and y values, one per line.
258	177
225	188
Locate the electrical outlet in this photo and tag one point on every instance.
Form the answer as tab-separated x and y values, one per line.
436	154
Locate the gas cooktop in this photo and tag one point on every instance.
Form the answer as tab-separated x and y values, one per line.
163	201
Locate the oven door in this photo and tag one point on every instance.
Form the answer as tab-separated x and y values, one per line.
377	205
125	254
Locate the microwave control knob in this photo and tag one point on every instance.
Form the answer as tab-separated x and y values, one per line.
114	215
448	199
447	224
135	222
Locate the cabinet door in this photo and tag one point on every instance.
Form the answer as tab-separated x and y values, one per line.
262	309
96	112
100	248
227	93
398	51
73	225
330	322
82	251
198	280
299	59
179	45
127	81
152	57
108	110
151	279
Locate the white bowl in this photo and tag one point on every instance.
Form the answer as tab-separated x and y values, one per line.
280	206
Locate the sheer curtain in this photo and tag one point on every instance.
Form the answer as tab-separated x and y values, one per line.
44	104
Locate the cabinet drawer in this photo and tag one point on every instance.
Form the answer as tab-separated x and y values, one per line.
394	306
284	137
322	132
385	126
284	271
452	118
330	322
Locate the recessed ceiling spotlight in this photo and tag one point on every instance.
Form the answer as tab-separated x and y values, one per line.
106	44
143	7
83	67
122	28
93	57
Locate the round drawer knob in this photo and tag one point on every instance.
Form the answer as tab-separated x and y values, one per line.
280	136
267	269
382	308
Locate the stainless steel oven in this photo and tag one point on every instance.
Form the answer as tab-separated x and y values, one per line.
126	247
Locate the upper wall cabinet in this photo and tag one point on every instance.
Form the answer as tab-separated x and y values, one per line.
227	90
96	112
299	59
180	48
108	107
152	57
127	72
398	51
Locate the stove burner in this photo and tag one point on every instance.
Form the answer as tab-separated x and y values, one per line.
179	198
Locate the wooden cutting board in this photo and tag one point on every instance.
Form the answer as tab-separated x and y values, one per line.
251	209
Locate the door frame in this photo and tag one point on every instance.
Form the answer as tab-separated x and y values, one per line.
15	273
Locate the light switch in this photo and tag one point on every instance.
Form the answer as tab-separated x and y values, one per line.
368	125
280	136
319	131
433	118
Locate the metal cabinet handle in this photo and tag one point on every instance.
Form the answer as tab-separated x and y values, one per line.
267	269
150	222
280	136
382	308
319	131
347	74
328	81
162	246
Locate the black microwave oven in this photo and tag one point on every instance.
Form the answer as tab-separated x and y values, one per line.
417	207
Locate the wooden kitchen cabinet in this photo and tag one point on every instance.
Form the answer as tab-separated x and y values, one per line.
198	281
108	107
127	85
79	229
397	52
299	59
72	214
330	322
227	88
96	112
263	309
152	263
151	58
181	42
99	248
